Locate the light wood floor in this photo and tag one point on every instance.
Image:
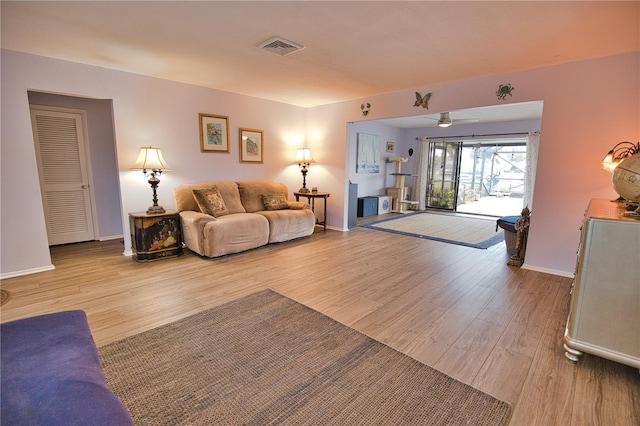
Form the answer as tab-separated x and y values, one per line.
458	309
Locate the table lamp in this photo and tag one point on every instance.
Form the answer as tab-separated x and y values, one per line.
618	153
304	159
152	164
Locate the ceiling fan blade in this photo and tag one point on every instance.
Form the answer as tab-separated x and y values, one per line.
465	121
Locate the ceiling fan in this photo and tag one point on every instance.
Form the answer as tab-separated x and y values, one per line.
445	120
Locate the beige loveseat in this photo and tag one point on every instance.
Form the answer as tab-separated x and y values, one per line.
227	217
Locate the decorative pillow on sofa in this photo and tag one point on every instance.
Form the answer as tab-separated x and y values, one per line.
275	202
210	201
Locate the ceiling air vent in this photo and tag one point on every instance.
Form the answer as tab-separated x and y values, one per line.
280	46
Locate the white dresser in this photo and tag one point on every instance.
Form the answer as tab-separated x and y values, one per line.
604	316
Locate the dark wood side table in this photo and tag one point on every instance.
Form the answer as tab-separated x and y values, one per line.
311	199
155	236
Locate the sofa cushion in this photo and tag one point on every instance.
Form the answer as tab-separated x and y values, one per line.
210	201
51	374
288	224
183	196
275	201
251	193
234	233
298	205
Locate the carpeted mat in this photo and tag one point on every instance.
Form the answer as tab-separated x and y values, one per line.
265	359
447	228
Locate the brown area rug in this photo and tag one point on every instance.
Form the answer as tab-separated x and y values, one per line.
265	359
447	228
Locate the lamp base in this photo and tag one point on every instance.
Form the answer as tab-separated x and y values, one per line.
304	190
155	210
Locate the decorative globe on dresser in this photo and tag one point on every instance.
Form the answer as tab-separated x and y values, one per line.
626	179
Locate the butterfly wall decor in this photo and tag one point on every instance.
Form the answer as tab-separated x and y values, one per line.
422	101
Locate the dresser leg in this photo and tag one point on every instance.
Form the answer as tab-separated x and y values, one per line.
572	354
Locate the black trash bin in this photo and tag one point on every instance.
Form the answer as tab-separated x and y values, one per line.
508	223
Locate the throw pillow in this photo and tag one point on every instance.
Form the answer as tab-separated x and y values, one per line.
210	201
275	202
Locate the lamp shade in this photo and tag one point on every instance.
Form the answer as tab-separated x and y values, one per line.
618	153
608	163
150	159
304	156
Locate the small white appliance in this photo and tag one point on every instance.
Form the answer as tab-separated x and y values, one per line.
384	204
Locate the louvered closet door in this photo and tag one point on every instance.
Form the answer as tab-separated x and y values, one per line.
63	175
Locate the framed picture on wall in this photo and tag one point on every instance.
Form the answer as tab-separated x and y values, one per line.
251	146
214	133
367	161
391	146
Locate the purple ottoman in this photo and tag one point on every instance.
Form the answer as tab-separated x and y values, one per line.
51	374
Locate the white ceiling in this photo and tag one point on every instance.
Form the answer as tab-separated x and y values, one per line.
353	49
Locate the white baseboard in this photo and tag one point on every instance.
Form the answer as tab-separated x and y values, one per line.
26	272
548	271
111	237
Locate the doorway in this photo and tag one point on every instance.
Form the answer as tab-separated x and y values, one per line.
479	177
101	154
63	167
443	176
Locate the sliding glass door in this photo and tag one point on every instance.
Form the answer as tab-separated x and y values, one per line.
443	175
492	178
477	177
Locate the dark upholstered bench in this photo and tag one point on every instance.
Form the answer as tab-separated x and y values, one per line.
51	374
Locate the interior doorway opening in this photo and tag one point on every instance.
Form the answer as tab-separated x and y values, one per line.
101	156
65	174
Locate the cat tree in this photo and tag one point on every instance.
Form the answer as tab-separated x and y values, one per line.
399	190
